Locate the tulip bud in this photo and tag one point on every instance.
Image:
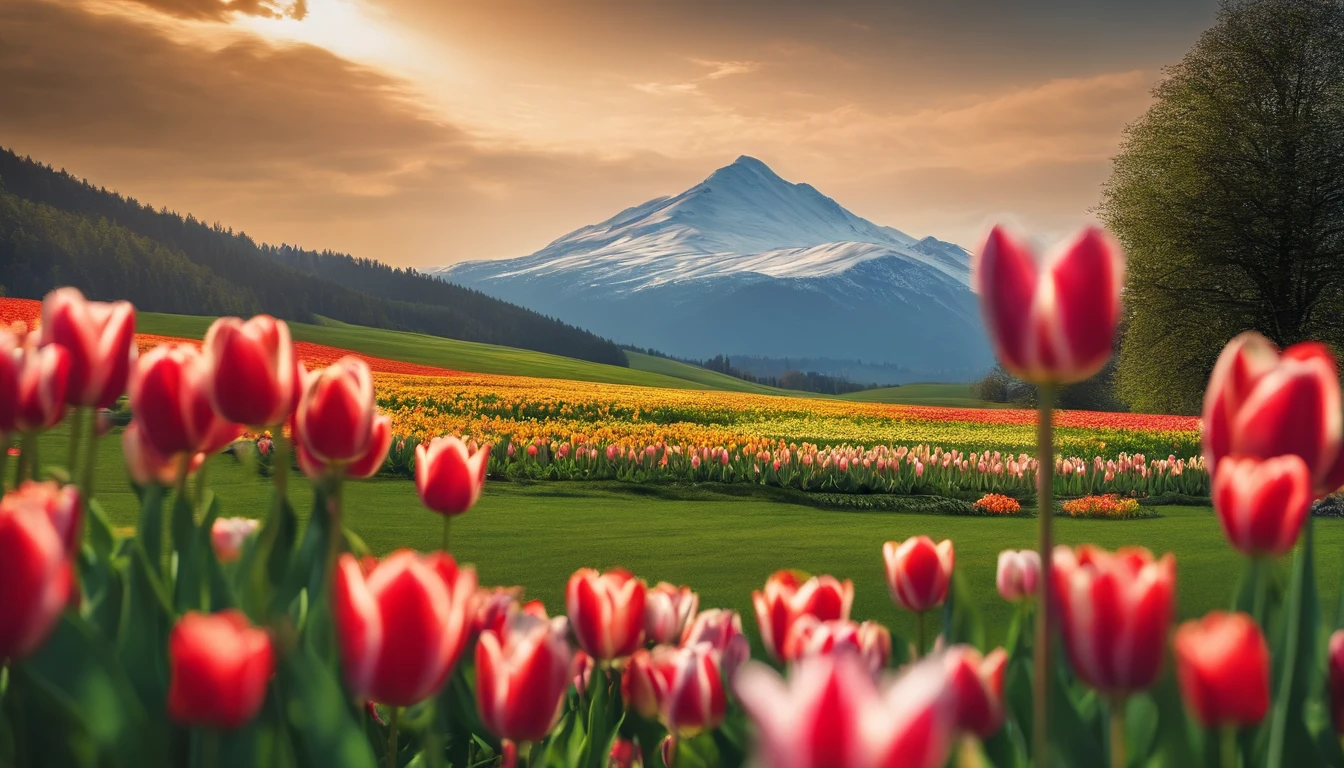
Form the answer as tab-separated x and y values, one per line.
875	646
403	626
220	667
33	383
448	479
976	683
1222	662
831	711
100	339
1115	610
918	572
1053	321
647	677
606	611
583	671
1262	404
335	416
785	599
253	371
1018	574
60	505
35	576
668	610
172	406
1336	665
625	754
228	534
1262	505
522	674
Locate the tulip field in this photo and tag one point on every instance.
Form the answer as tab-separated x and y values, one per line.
546	428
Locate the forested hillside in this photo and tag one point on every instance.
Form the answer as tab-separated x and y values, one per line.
56	229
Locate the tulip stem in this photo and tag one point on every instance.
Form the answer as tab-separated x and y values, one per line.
1117	733
334	531
394	721
76	432
919	634
447	528
28	464
1045	480
90	458
4	459
280	461
1228	750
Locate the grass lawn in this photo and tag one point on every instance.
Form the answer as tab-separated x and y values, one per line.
435	350
724	545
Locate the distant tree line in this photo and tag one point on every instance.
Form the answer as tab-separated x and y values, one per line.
1096	394
56	229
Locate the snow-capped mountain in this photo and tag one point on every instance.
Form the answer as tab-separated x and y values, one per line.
747	263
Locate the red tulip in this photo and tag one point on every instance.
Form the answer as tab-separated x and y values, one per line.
1262	504
448	479
35	577
335	416
1019	574
625	754
809	636
1116	609
606	611
254	375
977	686
918	572
1222	662
100	339
668	610
583	671
647	678
722	629
365	466
172	406
695	700
60	505
220	668
403	626
228	534
832	713
522	675
146	465
784	599
875	645
1336	680
33	383
1262	404
1053	321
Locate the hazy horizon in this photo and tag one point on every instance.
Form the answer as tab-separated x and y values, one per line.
424	133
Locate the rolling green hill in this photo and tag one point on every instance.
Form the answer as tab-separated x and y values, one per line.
704	377
949	395
433	350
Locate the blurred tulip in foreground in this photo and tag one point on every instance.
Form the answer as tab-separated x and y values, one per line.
787	596
228	535
100	339
146	465
977	686
918	572
668	611
61	505
1116	608
35	577
1222	662
1262	505
220	668
403	626
606	611
172	405
33	383
254	374
1019	573
1052	320
522	674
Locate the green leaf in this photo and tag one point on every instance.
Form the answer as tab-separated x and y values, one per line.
604	718
1174	742
325	734
1076	731
101	535
961	619
75	675
142	646
150	531
1290	743
183	525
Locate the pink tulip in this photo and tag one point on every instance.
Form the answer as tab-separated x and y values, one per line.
33	383
1019	573
228	535
668	610
100	339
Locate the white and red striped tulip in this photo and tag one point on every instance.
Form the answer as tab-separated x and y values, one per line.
335	417
786	597
35	577
522	674
668	611
695	700
1262	505
228	535
606	611
722	629
647	678
60	504
33	382
1019	574
1052	321
875	645
1115	612
809	636
100	339
448	476
402	626
977	687
255	376
1263	404
919	572
171	403
364	466
830	712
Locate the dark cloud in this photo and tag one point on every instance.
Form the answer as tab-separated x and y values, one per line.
220	10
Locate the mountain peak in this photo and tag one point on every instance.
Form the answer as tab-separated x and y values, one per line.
745	167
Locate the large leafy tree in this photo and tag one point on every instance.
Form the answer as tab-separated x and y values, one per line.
1228	195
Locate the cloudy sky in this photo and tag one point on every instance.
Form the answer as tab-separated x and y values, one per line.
423	132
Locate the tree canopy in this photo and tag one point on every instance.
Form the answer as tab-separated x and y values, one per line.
1228	196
